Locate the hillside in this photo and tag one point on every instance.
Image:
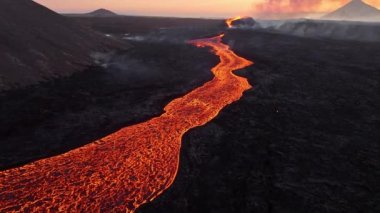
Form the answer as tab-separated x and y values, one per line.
37	44
356	10
102	13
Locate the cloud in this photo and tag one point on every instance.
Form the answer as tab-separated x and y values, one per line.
294	8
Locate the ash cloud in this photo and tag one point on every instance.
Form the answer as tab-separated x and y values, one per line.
336	30
279	9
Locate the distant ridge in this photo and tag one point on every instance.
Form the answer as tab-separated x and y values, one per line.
356	10
102	13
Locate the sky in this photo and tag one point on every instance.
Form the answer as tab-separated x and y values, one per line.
204	8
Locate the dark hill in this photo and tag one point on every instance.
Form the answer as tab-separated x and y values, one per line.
102	13
37	44
356	10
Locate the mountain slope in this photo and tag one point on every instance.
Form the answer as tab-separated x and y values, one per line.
102	13
37	44
355	10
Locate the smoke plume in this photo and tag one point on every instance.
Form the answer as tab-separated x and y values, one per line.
294	8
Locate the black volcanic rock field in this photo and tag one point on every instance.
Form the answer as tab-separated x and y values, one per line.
57	116
304	139
137	24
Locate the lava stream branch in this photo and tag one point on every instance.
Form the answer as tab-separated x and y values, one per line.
130	167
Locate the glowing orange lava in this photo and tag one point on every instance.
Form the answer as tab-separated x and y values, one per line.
133	166
230	21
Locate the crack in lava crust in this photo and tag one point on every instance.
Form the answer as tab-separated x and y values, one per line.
130	167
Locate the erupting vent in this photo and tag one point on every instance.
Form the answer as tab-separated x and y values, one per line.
230	21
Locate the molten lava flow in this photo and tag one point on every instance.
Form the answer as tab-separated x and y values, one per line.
230	21
130	167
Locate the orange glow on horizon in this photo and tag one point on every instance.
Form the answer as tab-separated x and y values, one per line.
181	8
201	8
295	8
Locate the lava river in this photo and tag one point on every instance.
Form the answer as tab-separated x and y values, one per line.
130	167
